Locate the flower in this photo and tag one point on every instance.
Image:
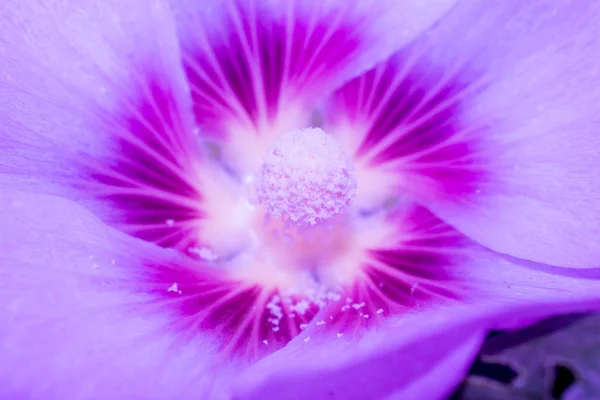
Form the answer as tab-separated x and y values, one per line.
206	199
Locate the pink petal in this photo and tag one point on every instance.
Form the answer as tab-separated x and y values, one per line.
84	314
491	124
98	108
258	67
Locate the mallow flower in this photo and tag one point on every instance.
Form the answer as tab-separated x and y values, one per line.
288	199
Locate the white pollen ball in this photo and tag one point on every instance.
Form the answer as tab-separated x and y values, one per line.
307	177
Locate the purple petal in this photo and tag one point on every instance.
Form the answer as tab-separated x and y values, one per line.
399	120
88	311
411	260
84	311
541	112
400	361
98	108
489	120
380	365
414	261
258	67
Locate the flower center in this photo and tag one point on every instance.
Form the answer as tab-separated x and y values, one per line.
306	178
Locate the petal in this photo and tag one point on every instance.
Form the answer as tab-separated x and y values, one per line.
98	108
497	132
382	364
83	311
398	362
409	260
257	67
68	70
437	261
503	281
399	121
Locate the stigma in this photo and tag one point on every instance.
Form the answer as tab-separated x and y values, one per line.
306	178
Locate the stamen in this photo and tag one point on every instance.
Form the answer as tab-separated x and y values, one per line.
306	178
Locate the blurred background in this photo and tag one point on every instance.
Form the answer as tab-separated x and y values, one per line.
555	359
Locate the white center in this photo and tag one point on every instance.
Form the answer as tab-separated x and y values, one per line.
306	178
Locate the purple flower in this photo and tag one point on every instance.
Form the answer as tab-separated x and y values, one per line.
288	199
